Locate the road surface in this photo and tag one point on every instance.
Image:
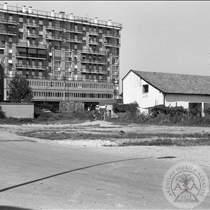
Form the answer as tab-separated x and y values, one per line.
37	175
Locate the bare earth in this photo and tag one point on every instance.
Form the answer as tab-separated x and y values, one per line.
198	154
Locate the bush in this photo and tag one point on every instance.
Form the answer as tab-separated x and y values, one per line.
2	114
130	109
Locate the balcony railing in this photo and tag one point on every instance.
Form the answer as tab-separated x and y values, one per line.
88	71
71	18
34	35
73	30
70	79
34	25
54	28
93	33
25	44
112	35
101	52
93	61
54	37
37	67
34	56
73	40
8	32
3	20
93	42
112	44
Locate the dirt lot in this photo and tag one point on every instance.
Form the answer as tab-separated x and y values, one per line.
109	136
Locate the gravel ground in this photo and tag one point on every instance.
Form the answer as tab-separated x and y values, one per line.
199	155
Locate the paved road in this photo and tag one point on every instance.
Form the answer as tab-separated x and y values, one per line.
48	176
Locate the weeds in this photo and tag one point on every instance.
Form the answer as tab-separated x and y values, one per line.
169	142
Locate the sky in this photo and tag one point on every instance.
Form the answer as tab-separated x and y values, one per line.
157	36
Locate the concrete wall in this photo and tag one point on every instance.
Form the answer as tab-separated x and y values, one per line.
133	91
18	110
71	106
184	100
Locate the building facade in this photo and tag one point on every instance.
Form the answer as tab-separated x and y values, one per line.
149	89
64	57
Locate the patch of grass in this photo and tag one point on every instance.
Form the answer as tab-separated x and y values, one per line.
168	142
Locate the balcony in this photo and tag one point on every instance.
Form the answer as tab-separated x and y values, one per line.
23	66
32	35
93	33
89	51
73	30
93	42
73	40
93	61
25	44
33	25
4	31
30	56
112	35
53	37
112	45
93	71
12	22
56	28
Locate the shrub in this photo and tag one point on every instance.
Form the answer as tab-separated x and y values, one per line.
2	114
131	109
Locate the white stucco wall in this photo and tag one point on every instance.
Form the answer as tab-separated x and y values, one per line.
133	91
184	100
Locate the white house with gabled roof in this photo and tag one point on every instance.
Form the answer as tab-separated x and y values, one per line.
155	88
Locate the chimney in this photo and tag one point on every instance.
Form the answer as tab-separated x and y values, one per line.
110	23
30	10
52	13
5	6
24	9
71	16
61	14
96	20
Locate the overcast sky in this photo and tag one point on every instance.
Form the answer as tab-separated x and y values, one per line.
161	36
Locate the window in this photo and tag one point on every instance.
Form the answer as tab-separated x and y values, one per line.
57	65
145	88
57	45
40	38
58	55
40	22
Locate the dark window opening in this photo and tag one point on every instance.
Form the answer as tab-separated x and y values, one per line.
145	88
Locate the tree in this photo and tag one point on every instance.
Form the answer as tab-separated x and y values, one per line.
20	91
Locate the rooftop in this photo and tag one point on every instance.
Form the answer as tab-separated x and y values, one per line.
177	83
29	11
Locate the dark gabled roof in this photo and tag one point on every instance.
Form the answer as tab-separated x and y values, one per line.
177	83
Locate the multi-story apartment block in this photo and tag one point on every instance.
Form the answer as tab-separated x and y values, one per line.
64	57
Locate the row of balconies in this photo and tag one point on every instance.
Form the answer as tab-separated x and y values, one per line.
36	67
88	71
93	61
3	20
32	56
25	44
96	52
9	32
